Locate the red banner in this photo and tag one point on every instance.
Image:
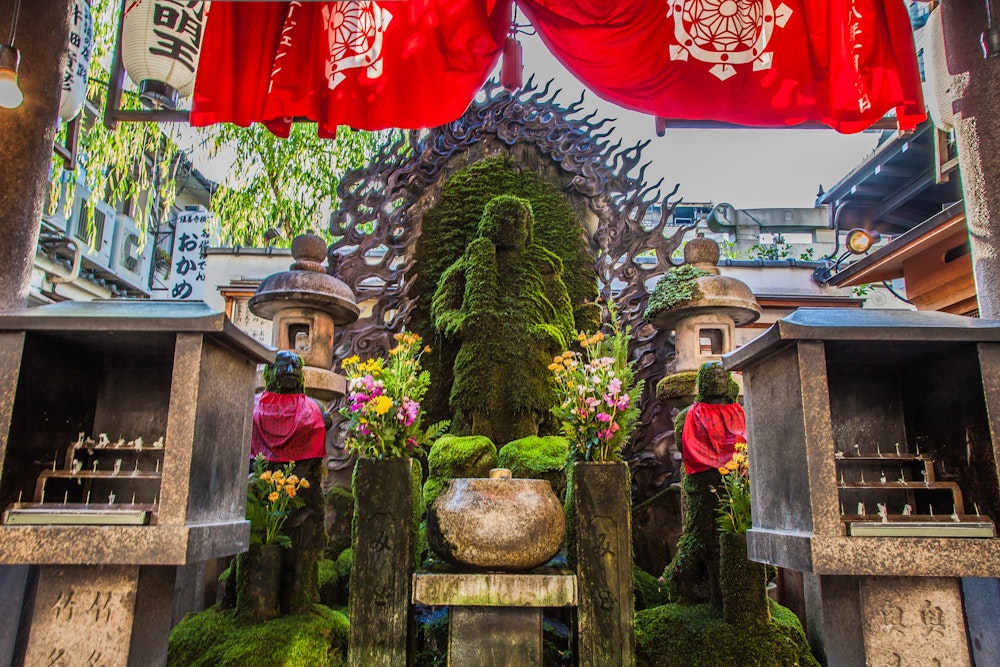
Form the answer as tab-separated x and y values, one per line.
368	65
767	63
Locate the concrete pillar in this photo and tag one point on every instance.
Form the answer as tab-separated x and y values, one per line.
26	135
978	137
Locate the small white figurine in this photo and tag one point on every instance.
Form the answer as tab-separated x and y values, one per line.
137	443
861	509
77	466
897	450
111	497
158	443
79	441
878	450
882	478
882	512
838	455
907	510
118	466
102	440
95	466
120	443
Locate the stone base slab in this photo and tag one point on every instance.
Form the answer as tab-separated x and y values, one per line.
495	589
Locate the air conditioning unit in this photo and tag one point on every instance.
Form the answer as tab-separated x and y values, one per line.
941	88
97	240
128	260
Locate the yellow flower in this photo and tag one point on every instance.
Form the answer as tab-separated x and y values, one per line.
396	350
382	405
290	490
266	476
723	471
278	478
293	479
427	349
732	465
567	354
350	360
581	337
304	483
273	496
739	457
397	336
741	446
584	343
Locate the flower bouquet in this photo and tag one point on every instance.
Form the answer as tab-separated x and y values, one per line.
734	508
598	395
383	402
271	497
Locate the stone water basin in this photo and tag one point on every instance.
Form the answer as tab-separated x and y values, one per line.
496	523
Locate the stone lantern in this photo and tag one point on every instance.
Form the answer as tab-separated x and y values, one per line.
705	325
305	304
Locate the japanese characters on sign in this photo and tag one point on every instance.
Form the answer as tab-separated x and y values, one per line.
81	44
187	270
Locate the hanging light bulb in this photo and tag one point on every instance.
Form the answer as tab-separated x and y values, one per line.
10	94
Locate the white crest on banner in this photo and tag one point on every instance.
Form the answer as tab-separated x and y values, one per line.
355	31
187	270
725	33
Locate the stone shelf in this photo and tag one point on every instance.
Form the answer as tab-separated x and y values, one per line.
76	514
544	589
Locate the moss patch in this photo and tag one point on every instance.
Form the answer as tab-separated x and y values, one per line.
676	635
677	287
335	579
462	456
677	385
339	513
537	457
215	639
649	592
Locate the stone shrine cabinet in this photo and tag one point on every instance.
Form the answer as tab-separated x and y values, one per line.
124	440
873	448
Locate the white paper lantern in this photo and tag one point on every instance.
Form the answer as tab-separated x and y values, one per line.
81	45
161	42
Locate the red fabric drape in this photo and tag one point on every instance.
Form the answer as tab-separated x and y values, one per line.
287	427
371	66
710	435
769	63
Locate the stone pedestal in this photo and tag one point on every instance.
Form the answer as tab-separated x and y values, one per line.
384	543
495	619
86	615
603	528
899	621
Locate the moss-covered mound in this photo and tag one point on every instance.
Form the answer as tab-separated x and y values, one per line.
215	639
457	456
339	514
648	590
676	635
537	457
462	456
335	579
678	385
451	224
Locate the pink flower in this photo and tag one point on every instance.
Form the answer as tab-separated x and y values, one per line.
603	417
364	430
605	434
408	412
615	387
411	442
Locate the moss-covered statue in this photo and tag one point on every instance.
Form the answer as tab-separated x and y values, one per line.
290	426
504	300
708	431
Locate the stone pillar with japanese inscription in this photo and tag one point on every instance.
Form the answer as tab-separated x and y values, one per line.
603	554
384	543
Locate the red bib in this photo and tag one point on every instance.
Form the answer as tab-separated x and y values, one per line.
710	435
287	427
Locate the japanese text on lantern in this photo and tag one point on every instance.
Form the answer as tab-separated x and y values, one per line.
81	40
178	26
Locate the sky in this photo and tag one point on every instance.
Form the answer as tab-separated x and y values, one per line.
746	168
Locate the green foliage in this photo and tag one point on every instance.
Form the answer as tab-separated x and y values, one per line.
715	384
598	395
504	304
862	290
335	579
649	591
807	255
677	287
451	225
215	638
271	497
288	183
678	635
777	249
